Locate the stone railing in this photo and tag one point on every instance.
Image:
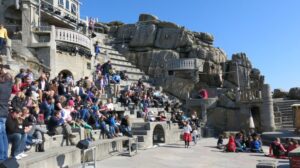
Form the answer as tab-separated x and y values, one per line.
186	64
70	36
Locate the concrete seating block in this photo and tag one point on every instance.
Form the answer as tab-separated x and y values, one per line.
96	134
53	141
55	157
80	131
267	164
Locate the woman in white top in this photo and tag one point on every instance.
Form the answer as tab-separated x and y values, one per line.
187	137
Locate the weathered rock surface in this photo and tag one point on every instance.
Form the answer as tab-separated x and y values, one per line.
144	36
294	93
147	17
280	93
153	62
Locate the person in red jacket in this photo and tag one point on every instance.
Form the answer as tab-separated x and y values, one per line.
231	147
276	149
203	94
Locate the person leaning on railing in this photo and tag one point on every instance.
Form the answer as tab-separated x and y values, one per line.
3	36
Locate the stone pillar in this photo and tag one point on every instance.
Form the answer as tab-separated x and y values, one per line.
30	19
26	22
267	111
52	54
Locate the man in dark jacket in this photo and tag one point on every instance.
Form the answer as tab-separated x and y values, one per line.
16	133
5	92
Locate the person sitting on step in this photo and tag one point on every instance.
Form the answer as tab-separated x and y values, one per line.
58	126
16	133
276	149
256	145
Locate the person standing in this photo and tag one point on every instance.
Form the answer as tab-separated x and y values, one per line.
187	137
6	83
3	37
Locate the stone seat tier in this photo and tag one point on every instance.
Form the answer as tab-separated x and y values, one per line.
117	57
132	70
118	64
121	62
55	157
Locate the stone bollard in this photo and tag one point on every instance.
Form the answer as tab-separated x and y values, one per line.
267	112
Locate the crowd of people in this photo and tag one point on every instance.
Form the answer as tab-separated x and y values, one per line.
53	107
253	143
242	143
31	107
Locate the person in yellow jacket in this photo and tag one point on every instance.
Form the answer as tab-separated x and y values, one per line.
3	36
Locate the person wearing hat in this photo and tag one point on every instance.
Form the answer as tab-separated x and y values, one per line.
6	83
3	36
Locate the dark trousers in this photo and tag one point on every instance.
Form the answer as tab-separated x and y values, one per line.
2	44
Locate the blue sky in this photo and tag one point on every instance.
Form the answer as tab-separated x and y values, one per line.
268	31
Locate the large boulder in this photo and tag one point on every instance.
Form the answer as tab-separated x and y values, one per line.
164	24
144	36
212	54
279	93
204	37
242	60
147	17
172	38
126	32
152	62
178	87
294	93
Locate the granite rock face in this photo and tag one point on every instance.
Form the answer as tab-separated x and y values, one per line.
152	43
280	93
147	17
294	93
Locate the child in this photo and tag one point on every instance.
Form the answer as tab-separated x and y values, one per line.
195	134
187	134
220	142
231	147
256	145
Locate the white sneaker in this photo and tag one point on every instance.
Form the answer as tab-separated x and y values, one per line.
35	141
18	157
40	141
23	155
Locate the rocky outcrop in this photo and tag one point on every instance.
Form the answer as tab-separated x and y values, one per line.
294	93
147	17
151	44
280	93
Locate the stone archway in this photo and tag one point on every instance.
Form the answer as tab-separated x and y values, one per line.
158	134
66	73
255	112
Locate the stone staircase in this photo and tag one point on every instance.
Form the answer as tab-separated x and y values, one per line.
120	63
284	115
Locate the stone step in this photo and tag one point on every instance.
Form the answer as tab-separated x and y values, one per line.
117	57
139	132
141	125
123	63
127	66
128	69
54	157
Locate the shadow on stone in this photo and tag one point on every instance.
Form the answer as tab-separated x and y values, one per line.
60	161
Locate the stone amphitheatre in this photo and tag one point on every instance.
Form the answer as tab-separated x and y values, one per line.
44	36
